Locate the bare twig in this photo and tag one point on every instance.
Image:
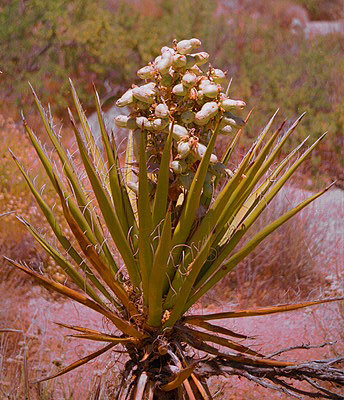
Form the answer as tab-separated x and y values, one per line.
272	377
302	346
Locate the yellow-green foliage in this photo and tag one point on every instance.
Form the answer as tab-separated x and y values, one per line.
45	41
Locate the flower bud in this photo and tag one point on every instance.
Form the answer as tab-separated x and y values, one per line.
145	93
189	79
143	122
207	111
201	58
233	120
187	117
185	46
229	104
199	151
183	149
179	90
146	72
211	90
197	71
213	159
121	121
167	49
163	65
161	111
226	130
124	121
195	43
160	123
218	75
204	83
178	166
201	121
126	99
178	61
178	132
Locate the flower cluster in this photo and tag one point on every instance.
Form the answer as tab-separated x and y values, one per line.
180	95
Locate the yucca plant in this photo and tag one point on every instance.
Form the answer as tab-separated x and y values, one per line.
155	232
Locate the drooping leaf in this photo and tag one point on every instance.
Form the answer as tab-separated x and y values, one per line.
80	298
80	362
77	224
207	337
78	328
201	388
195	319
214	328
104	338
238	358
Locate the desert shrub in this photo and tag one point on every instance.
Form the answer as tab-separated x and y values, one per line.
44	42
